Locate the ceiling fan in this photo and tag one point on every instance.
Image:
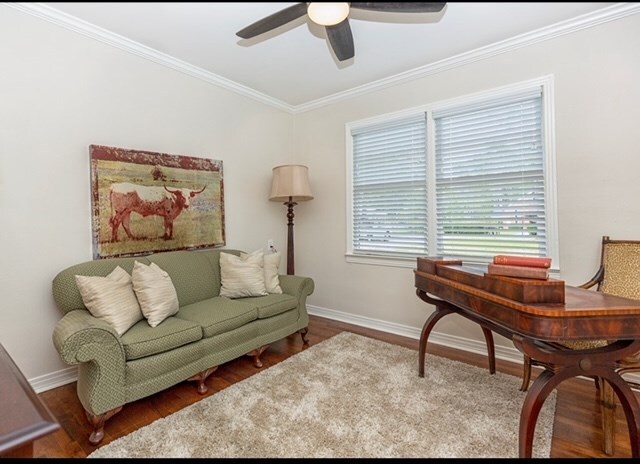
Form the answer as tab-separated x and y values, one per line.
335	18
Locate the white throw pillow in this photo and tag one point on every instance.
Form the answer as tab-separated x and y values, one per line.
271	265
111	299
241	277
155	291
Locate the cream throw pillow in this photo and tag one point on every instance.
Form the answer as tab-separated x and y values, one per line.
241	277
111	299
155	291
271	265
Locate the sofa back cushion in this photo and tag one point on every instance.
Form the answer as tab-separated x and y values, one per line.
192	274
214	258
65	291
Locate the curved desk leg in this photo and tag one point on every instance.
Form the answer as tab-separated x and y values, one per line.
491	350
438	314
630	407
566	364
536	396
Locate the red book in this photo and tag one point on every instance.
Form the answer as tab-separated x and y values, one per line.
518	271
527	261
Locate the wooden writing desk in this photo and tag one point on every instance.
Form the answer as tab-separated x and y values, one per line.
534	315
23	417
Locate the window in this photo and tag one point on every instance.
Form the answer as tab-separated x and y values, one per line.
390	188
467	179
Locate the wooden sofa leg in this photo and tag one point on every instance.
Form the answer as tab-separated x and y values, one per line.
303	334
97	423
256	355
201	378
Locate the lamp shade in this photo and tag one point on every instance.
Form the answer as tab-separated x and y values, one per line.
291	180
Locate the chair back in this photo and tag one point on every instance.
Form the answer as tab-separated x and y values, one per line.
621	266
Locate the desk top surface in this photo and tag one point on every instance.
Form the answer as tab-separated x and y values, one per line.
23	417
581	315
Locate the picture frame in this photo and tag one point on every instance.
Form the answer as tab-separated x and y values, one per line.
144	202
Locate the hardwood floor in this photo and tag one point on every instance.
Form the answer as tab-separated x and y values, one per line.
577	431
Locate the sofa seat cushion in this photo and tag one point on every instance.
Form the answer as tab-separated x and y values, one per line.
219	314
272	305
141	340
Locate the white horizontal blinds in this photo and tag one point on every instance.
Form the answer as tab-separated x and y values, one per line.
490	192
389	188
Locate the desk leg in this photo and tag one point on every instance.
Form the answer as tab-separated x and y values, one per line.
438	314
562	364
491	349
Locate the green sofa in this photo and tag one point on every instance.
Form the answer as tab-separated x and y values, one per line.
207	331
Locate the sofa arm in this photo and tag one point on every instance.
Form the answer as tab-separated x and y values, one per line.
298	286
80	337
83	339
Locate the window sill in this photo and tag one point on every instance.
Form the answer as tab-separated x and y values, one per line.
378	260
410	262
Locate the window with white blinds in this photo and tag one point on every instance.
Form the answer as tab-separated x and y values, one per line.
469	179
490	183
389	206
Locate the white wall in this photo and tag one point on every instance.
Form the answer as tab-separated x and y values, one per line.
60	92
596	73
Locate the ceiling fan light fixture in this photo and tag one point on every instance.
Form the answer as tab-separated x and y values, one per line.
327	14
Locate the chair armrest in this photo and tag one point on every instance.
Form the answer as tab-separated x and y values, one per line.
297	286
596	279
79	337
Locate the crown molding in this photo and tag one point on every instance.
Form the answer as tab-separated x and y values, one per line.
87	29
570	26
72	23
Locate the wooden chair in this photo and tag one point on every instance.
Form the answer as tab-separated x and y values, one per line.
619	275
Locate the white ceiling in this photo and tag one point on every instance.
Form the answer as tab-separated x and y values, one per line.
294	64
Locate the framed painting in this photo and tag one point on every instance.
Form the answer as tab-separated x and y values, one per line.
144	202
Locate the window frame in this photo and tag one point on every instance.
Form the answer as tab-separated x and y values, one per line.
545	83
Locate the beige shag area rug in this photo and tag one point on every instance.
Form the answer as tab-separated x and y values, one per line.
348	397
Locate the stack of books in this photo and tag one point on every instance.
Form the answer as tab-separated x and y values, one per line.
527	267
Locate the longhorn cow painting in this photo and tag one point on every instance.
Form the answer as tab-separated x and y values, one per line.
144	202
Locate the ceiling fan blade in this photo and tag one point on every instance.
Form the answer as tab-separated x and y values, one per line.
272	21
341	40
400	7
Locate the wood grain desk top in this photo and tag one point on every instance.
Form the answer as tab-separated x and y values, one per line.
582	314
23	417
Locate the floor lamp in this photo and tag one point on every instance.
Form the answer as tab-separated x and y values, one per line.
290	184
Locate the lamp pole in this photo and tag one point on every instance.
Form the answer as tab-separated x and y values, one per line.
290	259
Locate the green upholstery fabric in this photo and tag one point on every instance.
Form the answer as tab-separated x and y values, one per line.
191	273
66	294
271	305
143	340
81	338
207	331
218	315
150	369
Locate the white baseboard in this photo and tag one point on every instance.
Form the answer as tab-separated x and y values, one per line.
54	379
68	375
450	341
